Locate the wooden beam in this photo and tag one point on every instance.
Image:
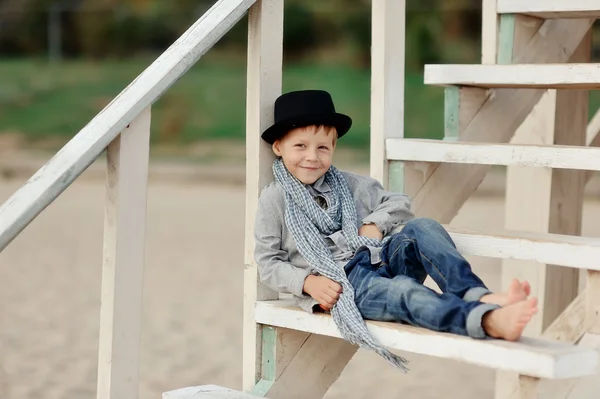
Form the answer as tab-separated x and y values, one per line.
54	177
549	76
551	8
570	326
265	60
535	357
312	370
387	81
527	155
123	261
489	32
448	187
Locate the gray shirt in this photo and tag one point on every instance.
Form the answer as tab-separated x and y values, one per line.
280	264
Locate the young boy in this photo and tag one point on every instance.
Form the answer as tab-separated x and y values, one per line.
328	238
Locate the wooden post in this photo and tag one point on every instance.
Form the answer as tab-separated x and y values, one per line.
387	86
265	59
123	266
277	362
542	199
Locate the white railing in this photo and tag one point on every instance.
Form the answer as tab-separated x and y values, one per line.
123	129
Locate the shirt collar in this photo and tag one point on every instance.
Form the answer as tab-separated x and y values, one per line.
320	186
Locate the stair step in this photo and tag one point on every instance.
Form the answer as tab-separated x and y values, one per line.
551	8
552	156
207	392
555	249
535	76
532	357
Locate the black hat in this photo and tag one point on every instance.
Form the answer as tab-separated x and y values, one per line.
305	108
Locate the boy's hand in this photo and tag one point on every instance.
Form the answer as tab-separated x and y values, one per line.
323	290
370	230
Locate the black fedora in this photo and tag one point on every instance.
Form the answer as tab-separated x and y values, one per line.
305	108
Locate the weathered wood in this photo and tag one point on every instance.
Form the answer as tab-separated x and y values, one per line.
527	155
570	326
387	80
592	317
314	368
123	266
54	177
535	357
548	76
533	203
528	387
564	250
265	58
551	8
489	32
207	392
566	205
460	107
448	187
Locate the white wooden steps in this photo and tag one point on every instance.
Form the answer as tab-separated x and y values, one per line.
532	357
535	76
551	8
207	392
551	156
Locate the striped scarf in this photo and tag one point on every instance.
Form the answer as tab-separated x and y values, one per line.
307	222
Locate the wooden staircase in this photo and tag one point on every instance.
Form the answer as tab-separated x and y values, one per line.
501	113
485	106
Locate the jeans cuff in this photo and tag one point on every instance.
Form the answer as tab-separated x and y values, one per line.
475	294
475	318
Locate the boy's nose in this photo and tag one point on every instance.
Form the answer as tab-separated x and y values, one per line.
311	155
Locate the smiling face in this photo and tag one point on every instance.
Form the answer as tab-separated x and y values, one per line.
307	151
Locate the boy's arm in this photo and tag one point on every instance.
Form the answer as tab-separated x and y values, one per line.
388	209
274	267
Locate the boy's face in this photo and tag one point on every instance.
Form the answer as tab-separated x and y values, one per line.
307	151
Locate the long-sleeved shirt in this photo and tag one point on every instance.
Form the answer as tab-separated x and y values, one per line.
280	264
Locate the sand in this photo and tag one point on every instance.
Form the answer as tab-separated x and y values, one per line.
192	319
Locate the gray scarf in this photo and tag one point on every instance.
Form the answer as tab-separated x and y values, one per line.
306	220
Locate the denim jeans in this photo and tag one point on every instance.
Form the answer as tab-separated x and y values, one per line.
393	290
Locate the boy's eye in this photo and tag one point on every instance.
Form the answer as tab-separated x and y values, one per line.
300	145
323	147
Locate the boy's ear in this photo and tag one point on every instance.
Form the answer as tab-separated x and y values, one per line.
277	148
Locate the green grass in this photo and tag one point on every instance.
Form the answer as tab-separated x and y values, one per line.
42	101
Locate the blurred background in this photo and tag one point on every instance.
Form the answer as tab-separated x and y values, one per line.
62	61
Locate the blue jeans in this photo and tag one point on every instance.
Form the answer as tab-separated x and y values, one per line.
393	290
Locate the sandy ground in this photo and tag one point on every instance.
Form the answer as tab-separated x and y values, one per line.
50	291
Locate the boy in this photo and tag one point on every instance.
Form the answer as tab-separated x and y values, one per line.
327	237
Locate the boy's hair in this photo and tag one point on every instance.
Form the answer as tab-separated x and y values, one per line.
316	128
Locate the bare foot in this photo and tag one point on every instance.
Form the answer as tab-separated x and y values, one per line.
517	291
509	322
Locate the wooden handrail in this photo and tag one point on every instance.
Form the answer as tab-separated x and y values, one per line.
81	151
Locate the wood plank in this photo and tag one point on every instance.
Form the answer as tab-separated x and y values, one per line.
550	156
516	31
564	250
448	187
551	8
387	81
592	318
207	392
528	387
489	32
56	175
570	326
528	356
547	76
265	60
123	261
314	368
